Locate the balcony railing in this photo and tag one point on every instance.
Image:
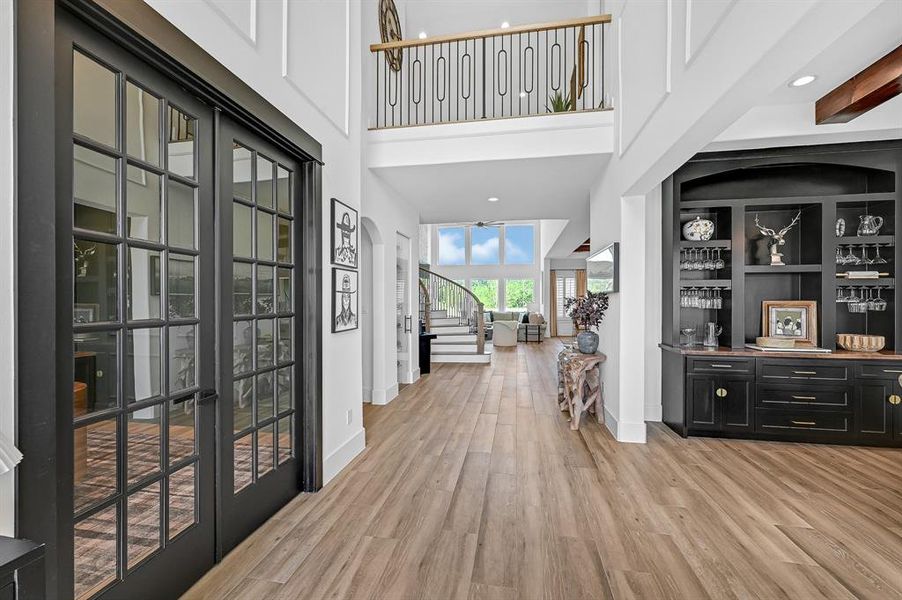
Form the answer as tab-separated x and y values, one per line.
512	72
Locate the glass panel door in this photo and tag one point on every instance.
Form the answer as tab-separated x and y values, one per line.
404	318
142	322
258	468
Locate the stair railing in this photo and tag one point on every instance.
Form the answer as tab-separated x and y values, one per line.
457	301
425	306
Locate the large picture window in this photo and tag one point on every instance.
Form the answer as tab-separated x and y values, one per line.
452	246
519	293
487	292
485	244
519	245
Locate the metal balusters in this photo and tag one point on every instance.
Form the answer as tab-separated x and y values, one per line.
475	76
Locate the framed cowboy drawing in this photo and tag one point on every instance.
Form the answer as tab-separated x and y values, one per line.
345	237
344	300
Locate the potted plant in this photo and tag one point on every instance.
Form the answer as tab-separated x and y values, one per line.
588	311
560	102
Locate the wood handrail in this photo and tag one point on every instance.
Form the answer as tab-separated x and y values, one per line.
476	35
454	283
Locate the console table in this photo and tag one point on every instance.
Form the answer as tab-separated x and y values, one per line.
580	385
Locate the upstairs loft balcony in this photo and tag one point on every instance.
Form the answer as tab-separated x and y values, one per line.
520	71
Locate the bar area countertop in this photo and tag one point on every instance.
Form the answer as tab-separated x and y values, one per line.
726	352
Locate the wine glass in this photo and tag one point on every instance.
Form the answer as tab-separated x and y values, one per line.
879	260
689	333
719	263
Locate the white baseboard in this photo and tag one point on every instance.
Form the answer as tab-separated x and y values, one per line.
416	375
624	432
653	413
383	397
339	459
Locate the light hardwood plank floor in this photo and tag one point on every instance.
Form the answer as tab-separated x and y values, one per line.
473	486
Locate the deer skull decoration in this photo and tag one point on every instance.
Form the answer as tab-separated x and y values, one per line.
777	239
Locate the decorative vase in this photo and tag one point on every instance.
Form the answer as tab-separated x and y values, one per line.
698	230
587	342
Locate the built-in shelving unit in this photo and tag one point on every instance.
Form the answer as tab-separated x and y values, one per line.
730	390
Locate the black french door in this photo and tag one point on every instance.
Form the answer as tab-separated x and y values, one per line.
258	219
135	167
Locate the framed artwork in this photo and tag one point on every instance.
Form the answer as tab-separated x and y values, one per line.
793	319
345	236
85	313
344	300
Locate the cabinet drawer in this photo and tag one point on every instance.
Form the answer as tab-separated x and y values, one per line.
833	398
885	371
802	371
722	366
783	421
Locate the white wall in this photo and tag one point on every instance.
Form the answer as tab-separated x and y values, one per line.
390	214
7	258
305	58
366	310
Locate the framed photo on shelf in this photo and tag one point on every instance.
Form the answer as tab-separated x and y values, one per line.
344	235
344	300
790	319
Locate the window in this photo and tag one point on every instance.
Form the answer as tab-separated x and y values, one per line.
519	245
566	288
519	293
484	245
487	292
451	246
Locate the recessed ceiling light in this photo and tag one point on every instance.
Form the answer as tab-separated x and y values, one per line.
493	199
422	35
803	80
505	25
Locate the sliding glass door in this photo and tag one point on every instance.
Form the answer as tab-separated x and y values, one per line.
259	254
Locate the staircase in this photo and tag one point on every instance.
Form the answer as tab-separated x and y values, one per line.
455	315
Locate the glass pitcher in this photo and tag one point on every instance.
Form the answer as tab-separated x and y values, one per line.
712	330
869	225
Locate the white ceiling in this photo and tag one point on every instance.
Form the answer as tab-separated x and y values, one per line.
540	188
440	17
869	40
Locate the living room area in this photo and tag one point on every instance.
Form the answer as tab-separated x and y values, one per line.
501	263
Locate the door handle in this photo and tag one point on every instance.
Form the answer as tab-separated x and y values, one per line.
895	399
721	392
208	395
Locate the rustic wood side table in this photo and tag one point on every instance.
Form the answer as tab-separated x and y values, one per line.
580	385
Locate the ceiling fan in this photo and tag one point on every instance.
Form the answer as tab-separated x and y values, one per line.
487	223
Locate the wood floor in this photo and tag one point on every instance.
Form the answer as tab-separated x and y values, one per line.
473	486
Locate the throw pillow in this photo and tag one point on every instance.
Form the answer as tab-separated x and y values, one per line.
525	318
536	319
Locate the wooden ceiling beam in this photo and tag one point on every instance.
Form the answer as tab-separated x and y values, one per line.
866	90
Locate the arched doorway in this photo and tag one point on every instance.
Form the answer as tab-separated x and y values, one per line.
372	311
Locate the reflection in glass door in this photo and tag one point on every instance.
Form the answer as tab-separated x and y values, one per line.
138	337
258	469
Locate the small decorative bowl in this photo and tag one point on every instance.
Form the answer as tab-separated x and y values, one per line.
698	230
855	342
775	342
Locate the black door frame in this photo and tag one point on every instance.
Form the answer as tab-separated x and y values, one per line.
43	318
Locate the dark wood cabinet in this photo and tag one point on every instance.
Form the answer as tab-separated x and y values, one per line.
720	403
732	391
799	399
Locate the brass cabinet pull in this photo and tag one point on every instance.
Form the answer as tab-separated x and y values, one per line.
804	397
895	399
803	422
804	372
720	366
721	392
